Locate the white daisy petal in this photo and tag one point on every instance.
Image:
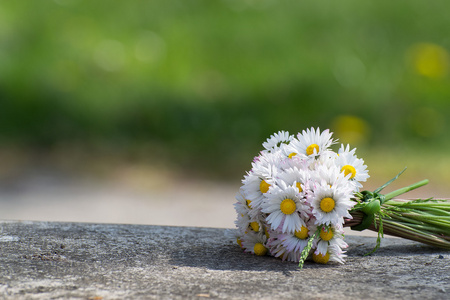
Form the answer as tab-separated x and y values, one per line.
275	141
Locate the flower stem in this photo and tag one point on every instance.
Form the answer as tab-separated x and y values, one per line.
406	189
404	231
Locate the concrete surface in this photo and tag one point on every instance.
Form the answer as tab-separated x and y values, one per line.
50	260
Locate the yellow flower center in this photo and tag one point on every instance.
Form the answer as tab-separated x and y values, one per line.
248	203
254	226
326	234
264	186
288	206
298	185
302	233
292	155
259	249
310	149
327	204
321	259
348	169
238	240
267	233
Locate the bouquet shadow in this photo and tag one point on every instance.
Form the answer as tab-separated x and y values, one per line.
390	246
230	257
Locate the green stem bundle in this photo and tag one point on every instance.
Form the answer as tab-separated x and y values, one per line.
422	220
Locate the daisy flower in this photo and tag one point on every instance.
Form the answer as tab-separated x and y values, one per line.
242	222
235	235
332	175
275	141
297	242
245	222
333	253
257	182
329	235
278	249
331	203
243	205
311	142
256	225
351	165
295	177
255	188
285	207
254	243
290	159
327	158
336	254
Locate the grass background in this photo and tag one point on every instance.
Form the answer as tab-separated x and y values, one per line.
198	85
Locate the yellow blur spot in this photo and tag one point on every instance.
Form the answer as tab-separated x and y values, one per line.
351	129
429	60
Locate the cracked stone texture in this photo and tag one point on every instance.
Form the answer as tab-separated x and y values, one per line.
50	260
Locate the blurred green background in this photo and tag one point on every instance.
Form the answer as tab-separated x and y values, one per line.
198	85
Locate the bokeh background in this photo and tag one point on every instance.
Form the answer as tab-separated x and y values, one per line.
151	111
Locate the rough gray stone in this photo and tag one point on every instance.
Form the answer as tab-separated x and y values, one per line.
43	260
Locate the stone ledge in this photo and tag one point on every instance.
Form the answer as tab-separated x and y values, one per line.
43	260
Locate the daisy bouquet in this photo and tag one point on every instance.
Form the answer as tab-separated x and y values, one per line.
299	195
